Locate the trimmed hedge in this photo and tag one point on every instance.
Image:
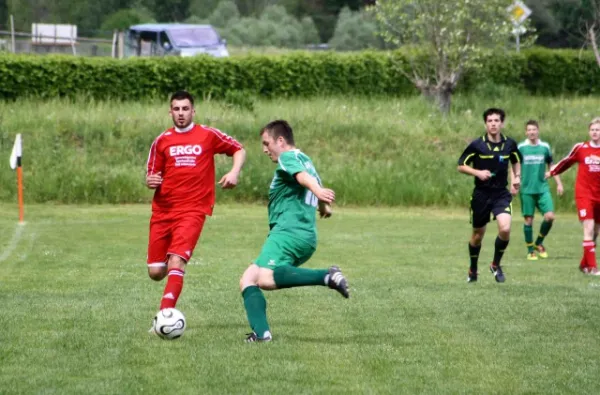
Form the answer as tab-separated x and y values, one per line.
539	71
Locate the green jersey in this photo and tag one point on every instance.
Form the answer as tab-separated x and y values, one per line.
533	167
292	207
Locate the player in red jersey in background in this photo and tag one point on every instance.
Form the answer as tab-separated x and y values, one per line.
181	169
587	192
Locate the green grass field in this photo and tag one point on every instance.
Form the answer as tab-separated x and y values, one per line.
77	304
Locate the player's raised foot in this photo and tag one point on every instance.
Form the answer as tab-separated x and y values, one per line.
497	272
532	256
253	337
542	251
338	282
472	277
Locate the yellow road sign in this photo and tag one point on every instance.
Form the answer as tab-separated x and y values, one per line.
519	12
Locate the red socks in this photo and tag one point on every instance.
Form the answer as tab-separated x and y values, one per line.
172	289
589	254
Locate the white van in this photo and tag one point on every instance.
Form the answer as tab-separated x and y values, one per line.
164	39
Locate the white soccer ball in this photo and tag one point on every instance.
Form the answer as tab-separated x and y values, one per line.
169	324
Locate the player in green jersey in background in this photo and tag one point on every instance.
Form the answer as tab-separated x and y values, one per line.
535	192
295	194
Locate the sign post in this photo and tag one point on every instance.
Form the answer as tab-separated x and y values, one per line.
519	13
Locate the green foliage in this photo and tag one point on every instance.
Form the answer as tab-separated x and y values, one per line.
171	10
225	12
275	27
355	30
193	19
454	36
298	73
124	18
203	8
310	34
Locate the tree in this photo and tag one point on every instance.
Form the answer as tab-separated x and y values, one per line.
225	11
124	18
593	27
203	8
355	30
171	10
450	37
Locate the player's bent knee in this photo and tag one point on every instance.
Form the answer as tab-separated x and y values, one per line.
157	274
250	277
504	235
549	217
477	236
266	280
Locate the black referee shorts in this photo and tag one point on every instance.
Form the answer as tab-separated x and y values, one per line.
485	203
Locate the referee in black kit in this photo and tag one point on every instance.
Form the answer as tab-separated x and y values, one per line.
487	159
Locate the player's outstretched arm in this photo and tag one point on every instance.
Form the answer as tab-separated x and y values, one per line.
325	195
230	180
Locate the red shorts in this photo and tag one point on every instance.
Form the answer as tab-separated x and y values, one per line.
588	209
173	234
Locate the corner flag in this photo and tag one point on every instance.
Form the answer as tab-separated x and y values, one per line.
15	163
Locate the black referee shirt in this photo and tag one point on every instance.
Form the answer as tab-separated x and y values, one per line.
482	154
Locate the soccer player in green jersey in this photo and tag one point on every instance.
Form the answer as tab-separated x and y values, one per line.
295	194
535	192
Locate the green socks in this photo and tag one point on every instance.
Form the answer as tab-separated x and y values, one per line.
544	229
256	309
290	276
528	229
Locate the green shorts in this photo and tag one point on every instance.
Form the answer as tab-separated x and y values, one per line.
280	249
529	202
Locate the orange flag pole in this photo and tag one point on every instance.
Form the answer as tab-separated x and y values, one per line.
15	163
20	192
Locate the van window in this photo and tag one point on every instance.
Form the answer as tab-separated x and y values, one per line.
194	37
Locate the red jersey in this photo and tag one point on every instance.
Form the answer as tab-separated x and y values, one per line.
587	185
186	161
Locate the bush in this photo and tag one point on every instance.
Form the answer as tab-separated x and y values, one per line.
538	71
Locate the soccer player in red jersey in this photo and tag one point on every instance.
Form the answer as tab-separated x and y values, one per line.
587	192
181	170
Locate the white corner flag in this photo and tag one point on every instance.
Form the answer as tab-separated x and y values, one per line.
15	163
15	155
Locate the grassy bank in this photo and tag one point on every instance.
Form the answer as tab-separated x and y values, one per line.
373	151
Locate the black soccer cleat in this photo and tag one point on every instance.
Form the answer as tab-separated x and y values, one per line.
497	272
338	282
253	338
472	277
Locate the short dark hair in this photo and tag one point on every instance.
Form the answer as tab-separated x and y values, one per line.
182	95
497	111
279	128
532	122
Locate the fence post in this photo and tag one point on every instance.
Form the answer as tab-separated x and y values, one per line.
121	44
